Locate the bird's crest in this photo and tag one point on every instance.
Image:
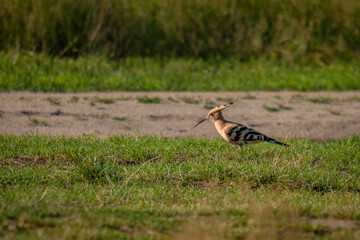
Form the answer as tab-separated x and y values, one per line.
220	108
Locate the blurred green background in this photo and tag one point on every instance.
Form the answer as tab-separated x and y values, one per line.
302	34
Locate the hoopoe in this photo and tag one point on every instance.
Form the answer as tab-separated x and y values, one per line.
235	133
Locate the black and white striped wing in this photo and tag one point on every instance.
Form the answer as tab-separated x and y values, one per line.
242	134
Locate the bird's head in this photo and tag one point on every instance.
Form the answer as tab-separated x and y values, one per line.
215	113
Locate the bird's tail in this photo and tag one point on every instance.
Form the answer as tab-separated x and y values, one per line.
270	140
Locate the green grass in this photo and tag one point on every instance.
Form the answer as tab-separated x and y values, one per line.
53	100
79	117
148	100
209	104
335	112
284	107
119	118
190	100
354	99
36	122
158	188
249	97
319	100
74	99
170	99
226	99
103	100
270	109
98	73
124	98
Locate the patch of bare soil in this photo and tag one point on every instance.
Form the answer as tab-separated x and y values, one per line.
320	115
24	161
333	223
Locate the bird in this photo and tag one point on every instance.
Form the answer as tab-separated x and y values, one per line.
235	133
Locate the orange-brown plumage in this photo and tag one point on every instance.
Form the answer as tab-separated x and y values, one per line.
235	133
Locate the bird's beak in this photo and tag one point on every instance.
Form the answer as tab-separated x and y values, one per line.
200	122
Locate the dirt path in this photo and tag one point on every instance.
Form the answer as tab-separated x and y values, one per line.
282	114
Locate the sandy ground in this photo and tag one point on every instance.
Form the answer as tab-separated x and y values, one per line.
73	114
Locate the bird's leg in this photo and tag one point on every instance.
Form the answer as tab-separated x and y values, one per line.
241	144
